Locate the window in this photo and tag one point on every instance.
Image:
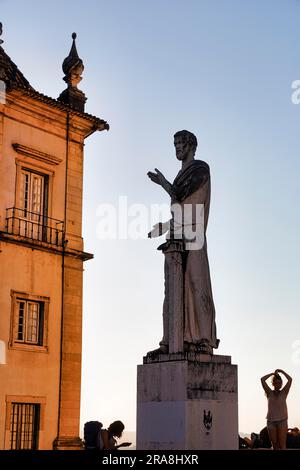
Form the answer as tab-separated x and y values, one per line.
33	205
30	217
24	426
29	321
24	422
33	197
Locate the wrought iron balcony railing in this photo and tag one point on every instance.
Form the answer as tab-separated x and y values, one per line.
34	226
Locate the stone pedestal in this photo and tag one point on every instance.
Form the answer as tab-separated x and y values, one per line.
173	303
187	401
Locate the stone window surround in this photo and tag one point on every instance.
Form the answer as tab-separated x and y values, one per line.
39	169
13	343
34	400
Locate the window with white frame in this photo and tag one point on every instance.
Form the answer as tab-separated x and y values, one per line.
29	321
32	197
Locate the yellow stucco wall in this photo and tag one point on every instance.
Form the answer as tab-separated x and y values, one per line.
35	375
28	373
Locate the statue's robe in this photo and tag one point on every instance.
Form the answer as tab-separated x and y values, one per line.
192	186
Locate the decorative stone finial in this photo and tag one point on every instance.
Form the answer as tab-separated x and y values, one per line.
73	67
1	30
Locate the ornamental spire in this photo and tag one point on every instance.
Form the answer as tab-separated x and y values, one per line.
73	67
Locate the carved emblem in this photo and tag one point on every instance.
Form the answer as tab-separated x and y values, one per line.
207	419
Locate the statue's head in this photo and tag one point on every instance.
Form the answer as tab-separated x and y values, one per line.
185	144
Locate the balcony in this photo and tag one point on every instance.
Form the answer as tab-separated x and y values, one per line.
34	226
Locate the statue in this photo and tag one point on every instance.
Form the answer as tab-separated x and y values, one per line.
188	310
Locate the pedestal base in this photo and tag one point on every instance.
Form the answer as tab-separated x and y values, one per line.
187	401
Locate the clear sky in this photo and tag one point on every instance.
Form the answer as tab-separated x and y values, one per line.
223	70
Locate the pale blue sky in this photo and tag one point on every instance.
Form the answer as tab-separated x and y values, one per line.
222	69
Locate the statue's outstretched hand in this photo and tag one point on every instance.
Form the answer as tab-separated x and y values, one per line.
159	229
157	177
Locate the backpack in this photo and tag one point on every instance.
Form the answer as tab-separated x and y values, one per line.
91	432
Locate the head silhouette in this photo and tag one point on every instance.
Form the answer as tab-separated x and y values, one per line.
277	382
116	428
185	144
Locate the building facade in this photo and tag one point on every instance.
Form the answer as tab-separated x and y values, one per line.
41	258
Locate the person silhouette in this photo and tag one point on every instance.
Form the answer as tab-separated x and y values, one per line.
107	437
277	408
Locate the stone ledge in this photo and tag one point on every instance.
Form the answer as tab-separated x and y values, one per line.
187	356
68	443
43	246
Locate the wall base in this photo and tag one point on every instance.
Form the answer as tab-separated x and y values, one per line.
68	443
